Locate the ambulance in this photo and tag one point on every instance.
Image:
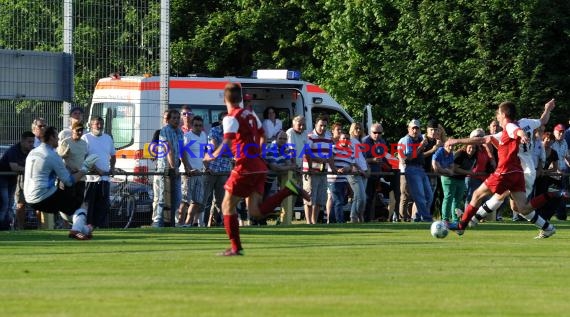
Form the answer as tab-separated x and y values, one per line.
132	112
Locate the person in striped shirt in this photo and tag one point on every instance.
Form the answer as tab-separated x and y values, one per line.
344	163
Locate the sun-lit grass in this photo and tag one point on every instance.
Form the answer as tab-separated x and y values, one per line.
379	269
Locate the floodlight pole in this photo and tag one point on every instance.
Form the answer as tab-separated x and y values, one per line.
68	49
164	53
164	85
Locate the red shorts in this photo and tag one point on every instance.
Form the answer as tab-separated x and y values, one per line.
243	182
499	183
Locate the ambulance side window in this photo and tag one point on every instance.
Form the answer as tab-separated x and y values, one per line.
119	121
285	117
209	113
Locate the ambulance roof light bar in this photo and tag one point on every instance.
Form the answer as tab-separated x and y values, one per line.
276	74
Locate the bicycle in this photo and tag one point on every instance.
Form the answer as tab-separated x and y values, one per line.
126	199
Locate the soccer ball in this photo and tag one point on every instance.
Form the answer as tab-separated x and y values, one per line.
439	229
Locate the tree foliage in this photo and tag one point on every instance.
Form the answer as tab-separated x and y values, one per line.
450	60
453	60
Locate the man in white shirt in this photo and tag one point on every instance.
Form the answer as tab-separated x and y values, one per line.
297	137
194	142
97	189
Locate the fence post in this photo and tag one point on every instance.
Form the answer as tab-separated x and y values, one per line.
171	182
288	205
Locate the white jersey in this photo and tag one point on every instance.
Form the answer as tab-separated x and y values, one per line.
527	151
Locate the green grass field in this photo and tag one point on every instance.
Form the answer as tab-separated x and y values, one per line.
379	269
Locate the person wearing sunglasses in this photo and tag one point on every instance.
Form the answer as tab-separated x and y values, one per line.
75	115
38	128
193	193
186	115
358	182
73	151
376	158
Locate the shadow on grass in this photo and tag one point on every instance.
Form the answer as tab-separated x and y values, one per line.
182	235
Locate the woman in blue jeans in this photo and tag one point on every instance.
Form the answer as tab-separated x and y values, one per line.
358	182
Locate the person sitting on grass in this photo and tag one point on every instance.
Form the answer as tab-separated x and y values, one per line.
43	165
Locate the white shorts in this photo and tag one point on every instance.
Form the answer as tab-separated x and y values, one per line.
529	178
529	171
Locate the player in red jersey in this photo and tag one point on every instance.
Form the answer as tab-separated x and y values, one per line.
507	176
244	135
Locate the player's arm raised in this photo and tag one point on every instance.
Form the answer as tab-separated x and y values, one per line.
547	109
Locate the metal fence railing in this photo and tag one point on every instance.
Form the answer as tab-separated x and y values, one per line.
131	202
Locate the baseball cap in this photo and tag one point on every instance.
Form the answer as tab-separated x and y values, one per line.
73	109
559	127
414	123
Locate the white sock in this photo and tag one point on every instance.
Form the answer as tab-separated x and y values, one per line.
537	220
492	205
79	220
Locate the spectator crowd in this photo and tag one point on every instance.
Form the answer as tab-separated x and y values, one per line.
351	175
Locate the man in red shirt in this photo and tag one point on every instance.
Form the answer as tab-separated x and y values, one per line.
507	176
244	136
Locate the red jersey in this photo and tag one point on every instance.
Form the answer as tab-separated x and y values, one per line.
482	159
244	128
508	149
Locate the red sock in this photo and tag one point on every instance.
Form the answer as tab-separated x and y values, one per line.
470	211
272	202
231	224
539	201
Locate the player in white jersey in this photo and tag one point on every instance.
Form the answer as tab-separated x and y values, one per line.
527	162
526	152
